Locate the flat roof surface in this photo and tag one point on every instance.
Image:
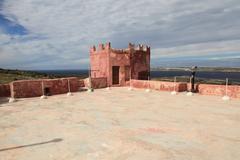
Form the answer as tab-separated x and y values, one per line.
120	124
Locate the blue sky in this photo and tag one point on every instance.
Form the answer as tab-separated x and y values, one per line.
57	34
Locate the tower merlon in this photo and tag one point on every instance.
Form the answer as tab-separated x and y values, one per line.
148	48
101	47
93	48
140	47
108	45
131	46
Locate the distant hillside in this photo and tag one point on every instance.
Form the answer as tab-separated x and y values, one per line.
7	75
200	69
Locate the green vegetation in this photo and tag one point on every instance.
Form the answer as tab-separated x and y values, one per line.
7	75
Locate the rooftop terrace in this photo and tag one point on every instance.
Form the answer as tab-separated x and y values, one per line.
120	124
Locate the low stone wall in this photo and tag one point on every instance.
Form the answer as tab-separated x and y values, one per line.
219	90
5	90
81	83
96	82
159	85
33	88
189	86
86	82
99	82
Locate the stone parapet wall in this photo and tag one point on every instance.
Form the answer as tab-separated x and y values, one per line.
5	90
81	83
96	82
86	82
99	82
159	85
33	88
219	90
189	86
203	89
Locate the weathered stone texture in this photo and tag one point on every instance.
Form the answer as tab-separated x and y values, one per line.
33	88
81	83
99	82
133	62
219	90
189	87
96	82
159	85
5	90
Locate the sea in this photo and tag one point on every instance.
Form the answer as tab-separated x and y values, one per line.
232	76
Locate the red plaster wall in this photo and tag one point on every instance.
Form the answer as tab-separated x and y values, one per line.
5	90
96	82
189	87
219	90
119	59
33	88
99	64
140	62
81	83
104	57
99	83
159	85
86	82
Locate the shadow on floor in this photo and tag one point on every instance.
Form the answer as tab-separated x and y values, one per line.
32	145
3	100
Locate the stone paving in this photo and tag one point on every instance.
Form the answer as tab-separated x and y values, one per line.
120	124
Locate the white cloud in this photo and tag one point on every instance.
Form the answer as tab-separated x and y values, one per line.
61	31
4	38
199	49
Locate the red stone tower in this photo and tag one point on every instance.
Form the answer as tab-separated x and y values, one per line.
119	65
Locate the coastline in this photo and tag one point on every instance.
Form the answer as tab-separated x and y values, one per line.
204	75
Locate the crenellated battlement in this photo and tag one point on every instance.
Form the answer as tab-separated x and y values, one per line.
139	47
119	65
120	51
100	47
131	48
